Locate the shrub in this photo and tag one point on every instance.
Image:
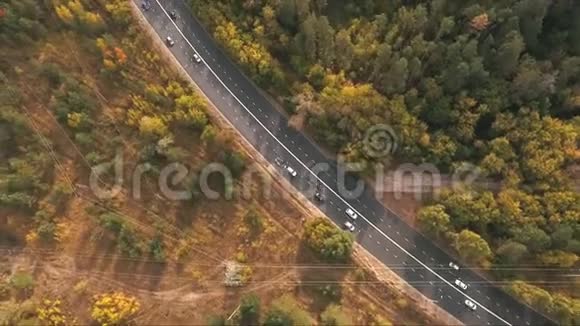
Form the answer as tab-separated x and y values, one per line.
51	313
22	281
235	162
113	308
249	310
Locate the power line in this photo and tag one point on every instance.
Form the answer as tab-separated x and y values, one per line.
59	165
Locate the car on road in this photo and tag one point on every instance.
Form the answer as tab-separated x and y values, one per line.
460	284
196	58
351	213
169	41
472	306
173	14
146	5
279	161
453	266
348	226
291	171
318	196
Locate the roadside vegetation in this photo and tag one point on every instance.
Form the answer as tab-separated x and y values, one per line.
492	84
82	83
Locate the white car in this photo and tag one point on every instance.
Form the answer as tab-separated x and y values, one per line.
351	213
170	42
454	266
196	58
291	171
349	226
460	284
470	305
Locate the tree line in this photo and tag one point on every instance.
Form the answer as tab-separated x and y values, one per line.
495	84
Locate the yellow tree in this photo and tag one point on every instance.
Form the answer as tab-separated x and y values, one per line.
51	313
153	126
64	14
115	308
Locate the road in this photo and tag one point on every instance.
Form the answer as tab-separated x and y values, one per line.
416	259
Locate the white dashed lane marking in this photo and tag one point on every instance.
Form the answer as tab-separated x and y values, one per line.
382	233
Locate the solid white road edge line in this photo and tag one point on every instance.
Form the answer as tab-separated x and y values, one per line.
330	189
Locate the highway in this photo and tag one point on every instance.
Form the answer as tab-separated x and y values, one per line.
416	259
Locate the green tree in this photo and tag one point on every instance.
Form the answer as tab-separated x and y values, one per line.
562	236
120	11
533	237
327	240
512	252
531	14
209	134
344	50
508	54
472	247
287	14
309	38
22	281
235	162
558	258
434	220
469	208
249	310
325	42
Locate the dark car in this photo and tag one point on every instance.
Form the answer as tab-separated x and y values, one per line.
318	196
173	15
145	5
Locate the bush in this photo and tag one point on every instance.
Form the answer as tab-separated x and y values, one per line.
113	308
156	249
51	314
250	310
235	162
254	220
52	73
22	281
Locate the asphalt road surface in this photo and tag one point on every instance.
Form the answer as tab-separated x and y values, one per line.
416	259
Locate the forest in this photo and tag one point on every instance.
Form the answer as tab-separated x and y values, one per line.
492	83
